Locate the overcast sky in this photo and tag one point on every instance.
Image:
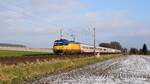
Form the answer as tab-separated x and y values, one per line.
36	23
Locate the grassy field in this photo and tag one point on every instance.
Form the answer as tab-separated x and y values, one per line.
4	53
16	74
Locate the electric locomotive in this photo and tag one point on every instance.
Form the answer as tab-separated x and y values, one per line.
64	46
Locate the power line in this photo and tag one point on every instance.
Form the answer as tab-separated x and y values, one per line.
94	39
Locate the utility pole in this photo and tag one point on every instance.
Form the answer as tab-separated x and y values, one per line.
94	40
74	37
61	34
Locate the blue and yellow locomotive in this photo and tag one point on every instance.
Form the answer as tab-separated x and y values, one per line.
64	46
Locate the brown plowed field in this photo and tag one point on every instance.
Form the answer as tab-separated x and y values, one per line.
29	59
25	59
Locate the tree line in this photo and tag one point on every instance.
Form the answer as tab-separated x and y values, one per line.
11	45
116	45
113	44
141	51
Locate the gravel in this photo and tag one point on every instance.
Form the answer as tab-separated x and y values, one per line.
133	69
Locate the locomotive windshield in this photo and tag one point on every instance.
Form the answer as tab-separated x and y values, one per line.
61	42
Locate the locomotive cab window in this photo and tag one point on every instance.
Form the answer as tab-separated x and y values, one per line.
61	42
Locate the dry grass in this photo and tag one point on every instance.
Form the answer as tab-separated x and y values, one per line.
28	71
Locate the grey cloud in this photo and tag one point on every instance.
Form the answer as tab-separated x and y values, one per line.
23	21
56	6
